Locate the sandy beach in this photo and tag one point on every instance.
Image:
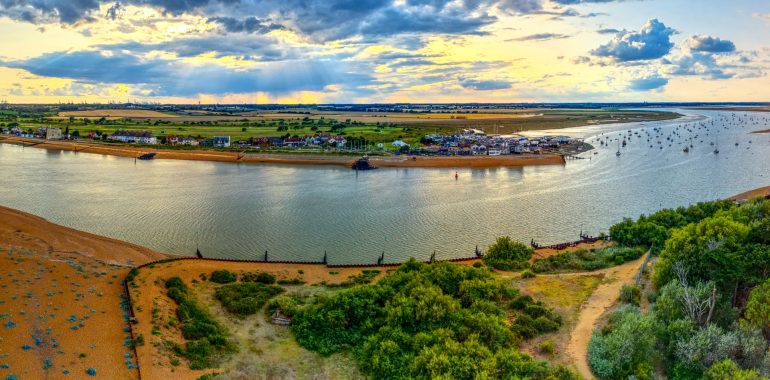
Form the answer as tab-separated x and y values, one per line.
293	159
751	194
60	300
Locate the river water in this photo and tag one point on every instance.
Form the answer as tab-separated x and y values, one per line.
300	212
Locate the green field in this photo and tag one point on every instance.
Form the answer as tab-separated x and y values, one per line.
372	127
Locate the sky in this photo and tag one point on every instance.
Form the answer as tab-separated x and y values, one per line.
384	51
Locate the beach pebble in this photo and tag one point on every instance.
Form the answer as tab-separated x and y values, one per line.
91	372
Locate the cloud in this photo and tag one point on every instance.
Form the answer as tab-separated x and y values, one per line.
710	44
322	20
541	37
485	85
610	31
166	77
258	48
647	83
246	25
651	42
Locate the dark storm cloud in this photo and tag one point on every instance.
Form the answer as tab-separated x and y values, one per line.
651	42
246	25
322	20
175	78
252	48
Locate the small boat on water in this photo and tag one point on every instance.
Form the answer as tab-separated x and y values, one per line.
147	156
686	149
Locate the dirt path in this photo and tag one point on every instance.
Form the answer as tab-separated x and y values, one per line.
602	299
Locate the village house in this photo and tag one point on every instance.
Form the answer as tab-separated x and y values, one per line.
53	133
187	141
217	142
134	137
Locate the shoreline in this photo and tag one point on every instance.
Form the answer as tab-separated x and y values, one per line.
296	159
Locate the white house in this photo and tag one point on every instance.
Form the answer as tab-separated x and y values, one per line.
52	133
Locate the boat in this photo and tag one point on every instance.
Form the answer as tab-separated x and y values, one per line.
362	164
147	156
618	152
686	149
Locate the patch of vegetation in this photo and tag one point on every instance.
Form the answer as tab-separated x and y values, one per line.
655	229
245	298
260	277
365	277
507	254
207	340
586	260
439	320
222	276
712	270
291	281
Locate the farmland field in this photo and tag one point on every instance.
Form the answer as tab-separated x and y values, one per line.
373	126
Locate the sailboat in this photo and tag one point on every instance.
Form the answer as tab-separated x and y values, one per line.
618	152
716	148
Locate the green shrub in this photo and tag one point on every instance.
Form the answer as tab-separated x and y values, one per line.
441	320
507	254
245	298
630	294
261	277
583	260
206	338
222	276
526	273
292	281
548	347
628	347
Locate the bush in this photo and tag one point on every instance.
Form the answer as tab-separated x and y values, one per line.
441	320
628	347
287	305
583	260
526	273
630	294
222	276
206	338
548	347
245	298
507	254
261	277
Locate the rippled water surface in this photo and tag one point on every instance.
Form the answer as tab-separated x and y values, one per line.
297	213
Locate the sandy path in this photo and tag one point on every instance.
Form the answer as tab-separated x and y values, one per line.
603	298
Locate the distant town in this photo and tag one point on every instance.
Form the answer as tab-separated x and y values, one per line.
467	142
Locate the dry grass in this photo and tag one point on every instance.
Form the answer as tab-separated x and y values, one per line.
265	351
566	294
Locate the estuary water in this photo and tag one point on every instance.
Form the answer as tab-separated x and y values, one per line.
299	212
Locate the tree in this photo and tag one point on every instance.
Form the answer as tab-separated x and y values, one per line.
709	249
758	308
507	254
727	369
627	349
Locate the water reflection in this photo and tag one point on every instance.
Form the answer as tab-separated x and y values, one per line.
297	213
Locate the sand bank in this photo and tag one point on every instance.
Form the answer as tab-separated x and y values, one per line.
293	159
751	194
60	300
